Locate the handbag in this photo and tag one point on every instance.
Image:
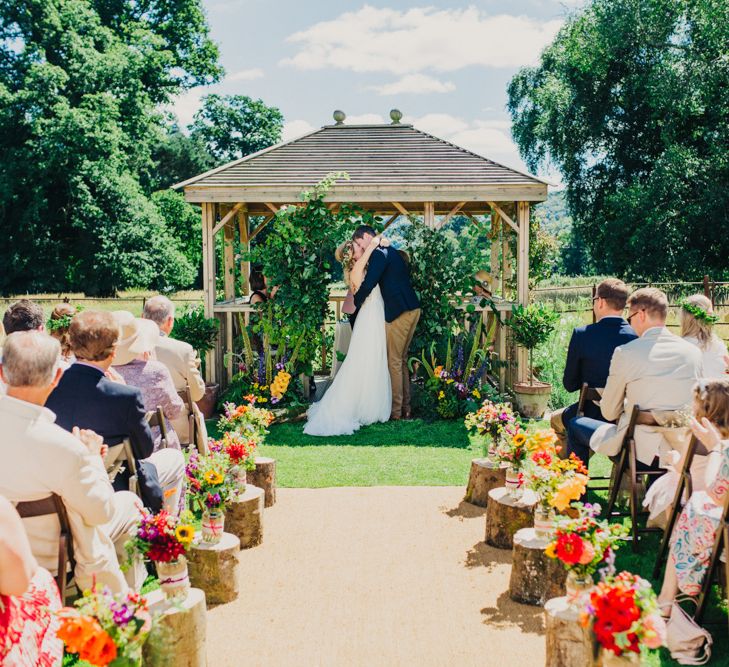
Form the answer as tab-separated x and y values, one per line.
685	639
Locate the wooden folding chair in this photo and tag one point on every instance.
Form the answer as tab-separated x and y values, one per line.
719	544
588	394
157	418
45	507
683	493
627	462
195	418
119	457
186	397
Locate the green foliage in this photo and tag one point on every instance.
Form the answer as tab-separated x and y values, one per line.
80	83
532	326
631	102
183	223
199	331
231	126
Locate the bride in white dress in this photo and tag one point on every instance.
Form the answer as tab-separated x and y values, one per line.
361	393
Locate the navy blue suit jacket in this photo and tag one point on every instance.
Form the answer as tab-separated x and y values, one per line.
388	269
85	398
591	351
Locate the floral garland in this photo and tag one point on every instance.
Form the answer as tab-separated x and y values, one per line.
699	313
62	322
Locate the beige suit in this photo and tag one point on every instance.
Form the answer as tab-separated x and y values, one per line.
184	366
656	372
40	458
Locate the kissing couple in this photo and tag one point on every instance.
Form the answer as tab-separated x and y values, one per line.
373	383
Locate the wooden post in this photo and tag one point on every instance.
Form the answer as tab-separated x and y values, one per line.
485	475
429	214
535	577
496	285
228	260
228	347
522	289
208	258
214	568
567	642
264	477
505	516
244	517
245	265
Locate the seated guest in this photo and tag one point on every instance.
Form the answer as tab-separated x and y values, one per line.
591	350
697	327
57	326
40	458
133	361
656	372
29	600
86	398
693	536
23	315
179	357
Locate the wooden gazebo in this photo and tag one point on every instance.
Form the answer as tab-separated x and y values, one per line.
394	170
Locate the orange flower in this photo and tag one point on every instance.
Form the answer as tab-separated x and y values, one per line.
99	650
75	630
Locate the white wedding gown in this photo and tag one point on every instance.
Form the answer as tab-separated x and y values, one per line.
361	393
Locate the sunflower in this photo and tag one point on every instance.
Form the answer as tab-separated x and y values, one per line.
185	533
519	439
213	477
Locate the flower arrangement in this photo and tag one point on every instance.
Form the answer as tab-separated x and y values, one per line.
623	615
161	538
104	629
556	481
211	486
239	448
584	543
516	448
492	420
246	418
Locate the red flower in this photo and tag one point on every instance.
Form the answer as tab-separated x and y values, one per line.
615	612
569	548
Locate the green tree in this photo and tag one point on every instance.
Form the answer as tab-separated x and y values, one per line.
80	84
631	102
183	223
232	126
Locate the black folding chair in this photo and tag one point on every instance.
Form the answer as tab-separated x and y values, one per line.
53	505
719	545
683	493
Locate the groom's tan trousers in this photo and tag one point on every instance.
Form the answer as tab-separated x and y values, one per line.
399	336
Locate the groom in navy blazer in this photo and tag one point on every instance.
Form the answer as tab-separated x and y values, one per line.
591	351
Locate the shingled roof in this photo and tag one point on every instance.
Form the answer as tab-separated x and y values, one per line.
374	156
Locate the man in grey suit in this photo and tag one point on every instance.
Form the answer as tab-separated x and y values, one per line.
657	371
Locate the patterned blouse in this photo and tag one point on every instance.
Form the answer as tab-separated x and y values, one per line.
155	381
695	531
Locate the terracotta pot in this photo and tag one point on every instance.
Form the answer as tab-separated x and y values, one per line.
209	400
532	399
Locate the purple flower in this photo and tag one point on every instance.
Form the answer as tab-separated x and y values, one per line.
213	500
121	613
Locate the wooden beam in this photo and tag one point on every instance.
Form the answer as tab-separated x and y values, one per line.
208	257
228	217
228	347
255	232
503	215
271	207
429	214
494	263
390	221
228	260
401	208
444	221
522	280
245	266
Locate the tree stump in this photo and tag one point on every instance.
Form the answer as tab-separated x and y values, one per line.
567	642
244	517
505	515
485	475
179	639
214	568
535	577
264	477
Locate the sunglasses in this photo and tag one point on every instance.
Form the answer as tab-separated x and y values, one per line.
630	317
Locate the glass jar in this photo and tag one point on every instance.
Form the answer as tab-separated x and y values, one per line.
577	586
544	522
513	482
173	578
213	522
239	474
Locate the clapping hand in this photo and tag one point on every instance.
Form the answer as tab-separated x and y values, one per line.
93	441
706	432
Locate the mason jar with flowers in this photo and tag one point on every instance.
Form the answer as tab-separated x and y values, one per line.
241	452
623	617
584	545
211	488
514	450
164	539
106	629
557	482
491	421
246	419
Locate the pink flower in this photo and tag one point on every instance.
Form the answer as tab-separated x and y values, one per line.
588	553
654	627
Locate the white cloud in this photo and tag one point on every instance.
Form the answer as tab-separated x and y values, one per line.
414	84
185	106
245	75
295	128
420	39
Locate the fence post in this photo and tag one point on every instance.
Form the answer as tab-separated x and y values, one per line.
594	292
707	289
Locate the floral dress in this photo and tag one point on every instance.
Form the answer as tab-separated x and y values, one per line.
28	625
695	531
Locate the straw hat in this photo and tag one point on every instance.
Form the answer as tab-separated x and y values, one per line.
136	336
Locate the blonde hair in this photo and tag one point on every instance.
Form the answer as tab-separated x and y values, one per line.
711	400
691	327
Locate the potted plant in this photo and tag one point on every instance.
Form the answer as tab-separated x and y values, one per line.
202	333
532	325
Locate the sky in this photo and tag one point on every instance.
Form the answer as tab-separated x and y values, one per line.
445	65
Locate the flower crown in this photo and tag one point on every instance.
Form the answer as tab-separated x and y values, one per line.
699	313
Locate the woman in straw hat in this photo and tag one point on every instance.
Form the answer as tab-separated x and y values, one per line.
134	362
